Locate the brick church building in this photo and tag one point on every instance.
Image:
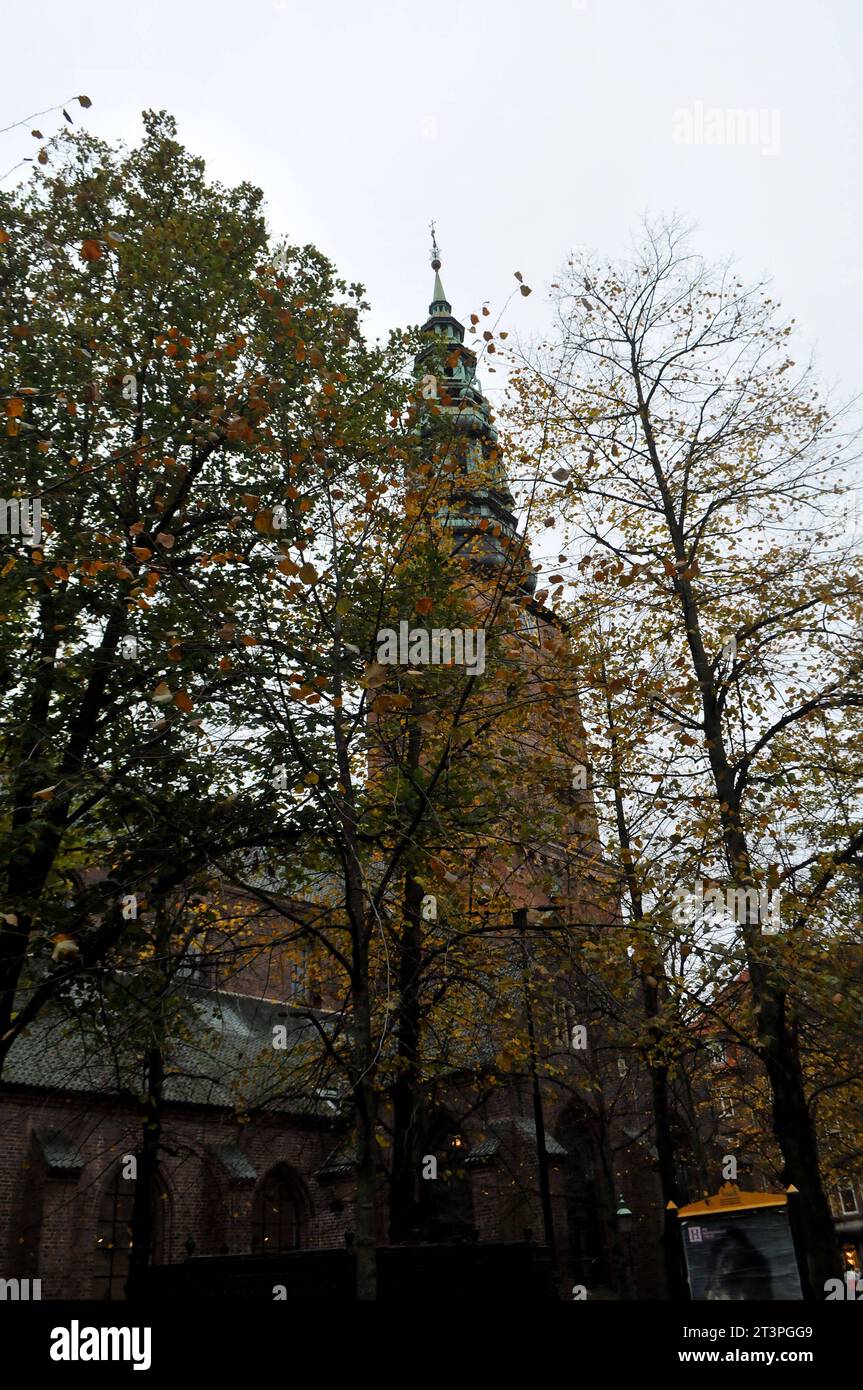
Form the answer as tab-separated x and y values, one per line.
275	1175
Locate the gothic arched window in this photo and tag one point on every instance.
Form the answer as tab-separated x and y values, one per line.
114	1234
279	1215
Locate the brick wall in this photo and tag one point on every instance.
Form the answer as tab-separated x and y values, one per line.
49	1222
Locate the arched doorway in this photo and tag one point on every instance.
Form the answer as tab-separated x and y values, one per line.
446	1201
280	1212
586	1207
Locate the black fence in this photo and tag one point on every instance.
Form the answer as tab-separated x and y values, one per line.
466	1273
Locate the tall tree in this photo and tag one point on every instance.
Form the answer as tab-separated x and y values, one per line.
701	468
182	401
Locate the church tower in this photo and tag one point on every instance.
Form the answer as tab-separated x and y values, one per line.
476	511
550	890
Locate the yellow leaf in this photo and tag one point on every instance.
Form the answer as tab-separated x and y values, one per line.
385	703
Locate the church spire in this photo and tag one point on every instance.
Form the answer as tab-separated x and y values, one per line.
440	306
438	297
480	514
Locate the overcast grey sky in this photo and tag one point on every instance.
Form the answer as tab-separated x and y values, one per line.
523	128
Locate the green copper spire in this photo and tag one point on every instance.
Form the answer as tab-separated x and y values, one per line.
439	299
440	305
480	494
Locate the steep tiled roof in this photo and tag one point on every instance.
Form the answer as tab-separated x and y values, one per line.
223	1056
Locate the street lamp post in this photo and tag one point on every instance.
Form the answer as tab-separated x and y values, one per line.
624	1226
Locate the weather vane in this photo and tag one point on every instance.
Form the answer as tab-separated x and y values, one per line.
435	251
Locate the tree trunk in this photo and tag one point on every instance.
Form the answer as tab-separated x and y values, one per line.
675	1277
366	1148
147	1176
407	1107
795	1132
792	1123
362	1054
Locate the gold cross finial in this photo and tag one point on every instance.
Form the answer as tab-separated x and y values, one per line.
435	252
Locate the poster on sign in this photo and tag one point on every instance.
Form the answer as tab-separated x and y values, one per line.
746	1255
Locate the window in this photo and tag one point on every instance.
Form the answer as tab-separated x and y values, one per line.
114	1234
560	1024
529	626
279	1213
726	1108
192	965
114	1237
848	1201
298	974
